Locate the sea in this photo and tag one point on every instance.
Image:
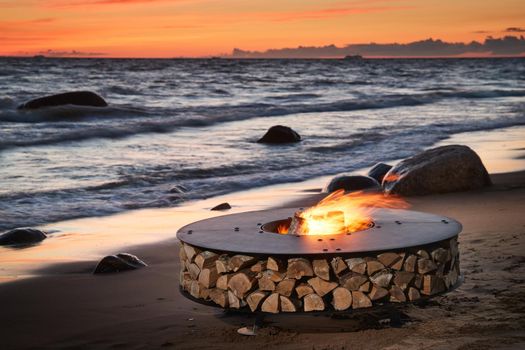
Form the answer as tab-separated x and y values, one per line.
186	129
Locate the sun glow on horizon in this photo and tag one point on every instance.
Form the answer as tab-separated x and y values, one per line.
197	28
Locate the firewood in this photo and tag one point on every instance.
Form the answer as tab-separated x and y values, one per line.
194	270
303	289
397	295
285	287
222	281
425	266
233	301
454	249
410	263
313	302
206	259
274	264
242	282
365	287
388	259
357	265
185	280
287	304
378	293
238	262
191	252
321	286
373	266
382	278
360	300
223	264
265	282
399	264
440	255
299	267
413	294
338	265
452	277
219	297
418	281
321	268
259	266
255	299
402	279
198	291
423	254
182	253
276	276
432	285
271	304
342	298
208	277
352	280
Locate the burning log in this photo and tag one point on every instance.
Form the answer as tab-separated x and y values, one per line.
298	268
255	299
288	305
313	302
342	298
321	268
321	286
271	304
241	283
303	289
286	287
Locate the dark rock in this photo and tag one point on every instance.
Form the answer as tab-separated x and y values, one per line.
280	134
118	263
379	171
439	170
79	98
23	235
352	183
222	206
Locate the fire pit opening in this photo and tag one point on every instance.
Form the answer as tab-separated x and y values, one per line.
283	227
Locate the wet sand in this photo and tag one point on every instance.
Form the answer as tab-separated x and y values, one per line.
67	307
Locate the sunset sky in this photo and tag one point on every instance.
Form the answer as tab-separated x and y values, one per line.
172	28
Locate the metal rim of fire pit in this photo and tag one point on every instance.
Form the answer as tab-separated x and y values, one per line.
393	229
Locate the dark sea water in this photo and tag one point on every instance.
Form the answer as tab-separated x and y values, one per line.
195	122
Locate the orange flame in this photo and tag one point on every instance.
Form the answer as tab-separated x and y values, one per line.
282	229
343	213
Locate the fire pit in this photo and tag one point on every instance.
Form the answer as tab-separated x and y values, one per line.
247	262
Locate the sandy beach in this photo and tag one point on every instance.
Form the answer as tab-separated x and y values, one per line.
65	306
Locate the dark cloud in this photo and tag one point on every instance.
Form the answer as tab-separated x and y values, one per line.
508	45
515	30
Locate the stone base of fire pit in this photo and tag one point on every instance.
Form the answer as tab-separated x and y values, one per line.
337	282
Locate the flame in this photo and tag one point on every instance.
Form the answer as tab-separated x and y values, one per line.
343	213
282	229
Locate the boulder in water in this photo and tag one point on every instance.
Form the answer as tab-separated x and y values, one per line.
438	170
118	263
22	235
379	171
352	183
222	206
78	98
280	134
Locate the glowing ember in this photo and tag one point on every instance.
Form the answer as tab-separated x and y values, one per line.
340	213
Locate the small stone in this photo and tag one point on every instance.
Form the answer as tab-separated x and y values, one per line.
379	171
397	295
280	134
382	279
222	206
425	266
373	266
357	265
118	263
22	235
410	263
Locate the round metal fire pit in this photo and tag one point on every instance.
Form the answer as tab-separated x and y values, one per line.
239	261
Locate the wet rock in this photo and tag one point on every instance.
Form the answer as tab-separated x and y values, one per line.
79	98
22	235
352	183
379	171
222	206
280	134
439	170
118	263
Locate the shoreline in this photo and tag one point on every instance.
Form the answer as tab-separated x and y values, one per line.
83	242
